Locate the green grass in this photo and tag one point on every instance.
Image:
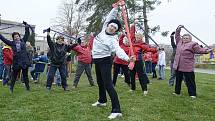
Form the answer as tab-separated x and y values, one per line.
159	105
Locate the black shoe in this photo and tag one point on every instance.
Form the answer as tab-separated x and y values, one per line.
11	89
92	85
66	89
28	89
160	78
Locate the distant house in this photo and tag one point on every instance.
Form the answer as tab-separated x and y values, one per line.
40	41
7	32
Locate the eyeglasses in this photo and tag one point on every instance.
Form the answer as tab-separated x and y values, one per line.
186	38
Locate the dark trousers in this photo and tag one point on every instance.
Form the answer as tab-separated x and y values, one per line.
138	68
190	82
51	74
7	72
103	74
34	74
1	70
154	75
15	73
116	70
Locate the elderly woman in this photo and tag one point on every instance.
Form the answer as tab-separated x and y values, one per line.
140	47
184	61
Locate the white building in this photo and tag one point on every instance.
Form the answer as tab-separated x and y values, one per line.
8	27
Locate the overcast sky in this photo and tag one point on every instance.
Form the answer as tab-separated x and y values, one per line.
198	16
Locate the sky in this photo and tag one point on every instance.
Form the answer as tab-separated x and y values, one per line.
197	16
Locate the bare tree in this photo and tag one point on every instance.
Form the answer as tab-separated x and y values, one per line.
71	18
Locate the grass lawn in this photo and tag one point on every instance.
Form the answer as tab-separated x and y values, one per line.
159	105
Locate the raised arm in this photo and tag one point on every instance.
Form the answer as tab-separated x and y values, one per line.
146	48
132	33
172	41
27	33
110	16
50	42
7	42
71	47
199	50
91	38
177	34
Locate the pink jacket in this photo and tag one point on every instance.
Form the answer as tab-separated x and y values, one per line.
184	57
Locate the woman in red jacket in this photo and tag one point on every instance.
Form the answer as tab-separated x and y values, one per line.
84	61
8	61
139	48
119	63
154	63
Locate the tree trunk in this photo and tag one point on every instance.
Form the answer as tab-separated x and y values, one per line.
145	22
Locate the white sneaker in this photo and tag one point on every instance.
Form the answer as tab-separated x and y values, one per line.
175	94
0	80
98	104
194	97
122	76
145	92
131	90
114	115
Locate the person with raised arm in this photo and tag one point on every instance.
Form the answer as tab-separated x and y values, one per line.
20	56
184	61
57	53
104	44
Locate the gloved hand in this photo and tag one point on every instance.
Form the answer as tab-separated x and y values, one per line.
181	26
48	30
25	23
79	40
173	33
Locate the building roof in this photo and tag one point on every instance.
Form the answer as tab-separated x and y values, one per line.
12	22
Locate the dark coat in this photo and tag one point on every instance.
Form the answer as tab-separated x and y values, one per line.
57	52
20	59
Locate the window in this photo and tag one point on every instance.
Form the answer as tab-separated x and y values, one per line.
38	47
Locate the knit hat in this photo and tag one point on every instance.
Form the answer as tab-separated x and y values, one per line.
116	22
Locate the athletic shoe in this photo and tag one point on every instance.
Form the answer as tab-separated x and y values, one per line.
145	93
193	97
114	115
98	104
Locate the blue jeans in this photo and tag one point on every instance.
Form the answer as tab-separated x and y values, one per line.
172	76
7	72
148	67
1	70
51	74
161	72
58	78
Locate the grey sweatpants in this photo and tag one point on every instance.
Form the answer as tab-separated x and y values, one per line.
80	69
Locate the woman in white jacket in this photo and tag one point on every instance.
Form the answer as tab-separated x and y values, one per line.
104	44
161	64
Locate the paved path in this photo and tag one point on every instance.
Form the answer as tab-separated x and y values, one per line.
207	71
200	70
